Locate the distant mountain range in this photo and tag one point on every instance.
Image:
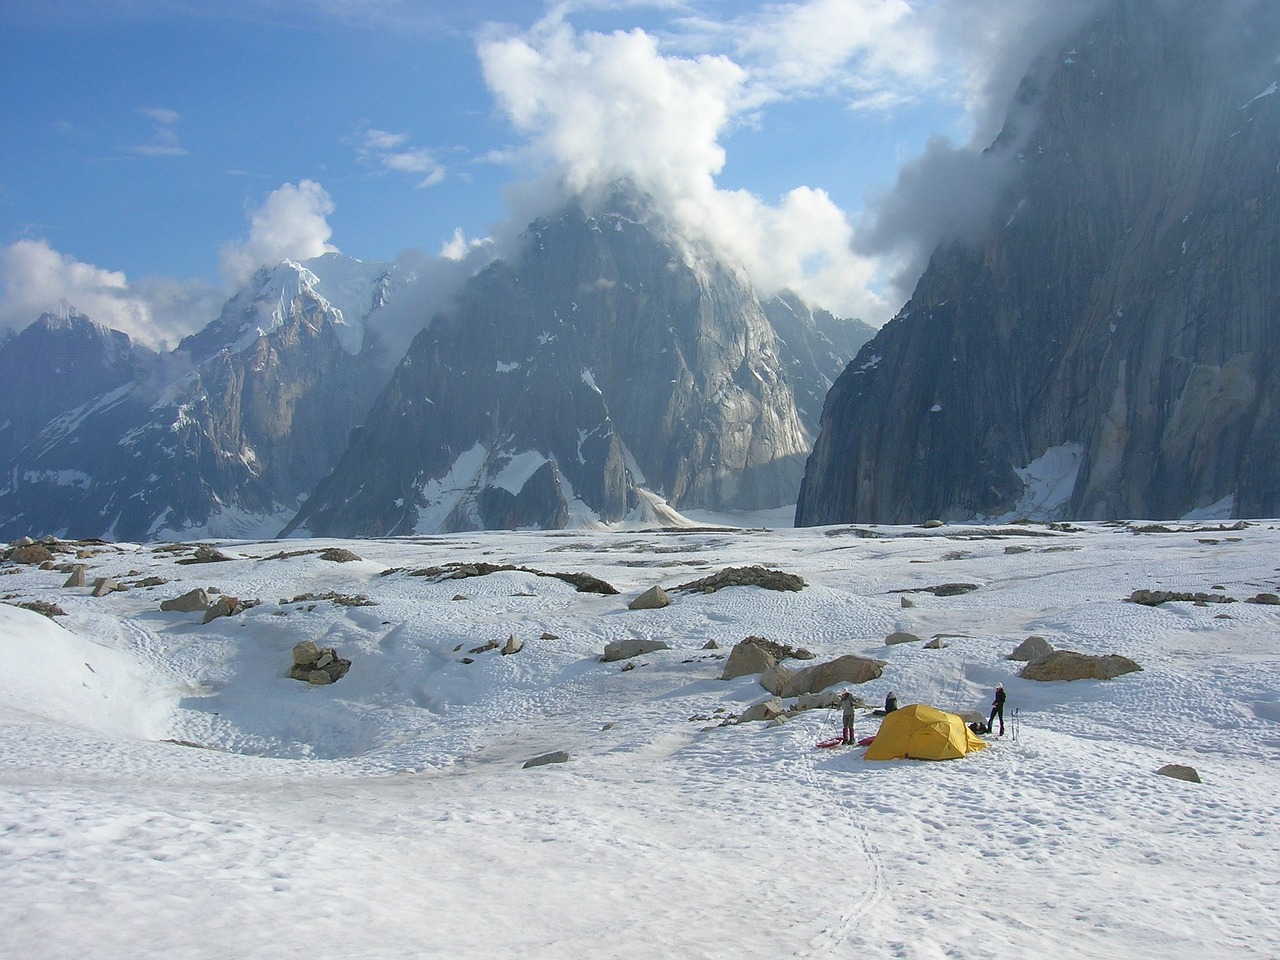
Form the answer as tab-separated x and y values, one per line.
1102	347
223	436
609	371
1107	346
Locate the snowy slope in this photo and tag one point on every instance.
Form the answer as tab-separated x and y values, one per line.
389	815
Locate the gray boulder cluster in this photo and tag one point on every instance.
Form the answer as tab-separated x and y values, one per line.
1153	598
807	685
197	600
317	665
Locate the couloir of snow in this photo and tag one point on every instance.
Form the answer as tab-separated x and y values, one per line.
389	814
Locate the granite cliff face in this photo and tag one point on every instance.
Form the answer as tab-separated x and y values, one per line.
1107	348
222	437
604	370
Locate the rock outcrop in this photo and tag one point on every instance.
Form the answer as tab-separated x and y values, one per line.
847	669
1070	665
627	649
1032	648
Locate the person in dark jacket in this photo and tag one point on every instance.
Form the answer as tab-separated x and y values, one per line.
890	702
847	706
997	709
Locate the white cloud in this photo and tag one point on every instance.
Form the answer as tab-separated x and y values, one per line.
458	247
864	48
161	115
390	151
158	311
599	107
35	277
164	139
291	224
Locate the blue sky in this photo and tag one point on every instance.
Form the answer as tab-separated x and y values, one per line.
153	152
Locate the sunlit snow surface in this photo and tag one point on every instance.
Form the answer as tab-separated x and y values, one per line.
389	815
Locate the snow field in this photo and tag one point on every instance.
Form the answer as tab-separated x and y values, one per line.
388	815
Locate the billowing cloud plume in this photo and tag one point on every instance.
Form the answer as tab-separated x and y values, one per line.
599	107
949	191
291	224
34	277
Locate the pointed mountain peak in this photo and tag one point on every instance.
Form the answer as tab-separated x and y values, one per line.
62	316
279	286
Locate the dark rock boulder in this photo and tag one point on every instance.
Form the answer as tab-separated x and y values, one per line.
901	636
655	598
190	602
1180	771
1070	665
847	669
626	649
1032	648
557	756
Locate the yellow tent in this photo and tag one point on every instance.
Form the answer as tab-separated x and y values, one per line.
922	733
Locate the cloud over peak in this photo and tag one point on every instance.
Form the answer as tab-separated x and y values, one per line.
291	224
34	277
598	108
656	108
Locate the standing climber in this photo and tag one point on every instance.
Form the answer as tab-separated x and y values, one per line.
997	708
847	706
